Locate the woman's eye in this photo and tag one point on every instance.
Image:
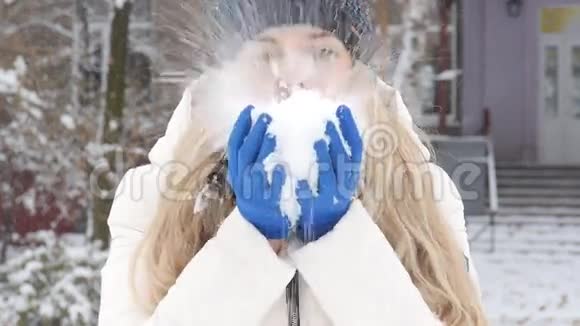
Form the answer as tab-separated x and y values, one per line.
267	56
326	53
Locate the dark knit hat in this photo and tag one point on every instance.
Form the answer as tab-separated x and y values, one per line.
353	21
350	20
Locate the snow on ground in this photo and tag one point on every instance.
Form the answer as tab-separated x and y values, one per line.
8	81
533	277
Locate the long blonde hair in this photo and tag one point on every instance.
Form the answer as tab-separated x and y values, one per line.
396	189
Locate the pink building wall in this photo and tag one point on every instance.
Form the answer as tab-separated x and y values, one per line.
500	73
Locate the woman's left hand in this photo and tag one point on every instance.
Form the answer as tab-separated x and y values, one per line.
338	176
257	199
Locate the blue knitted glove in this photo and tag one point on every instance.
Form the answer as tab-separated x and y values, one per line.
338	175
257	201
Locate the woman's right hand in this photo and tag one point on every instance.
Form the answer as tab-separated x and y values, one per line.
257	200
338	176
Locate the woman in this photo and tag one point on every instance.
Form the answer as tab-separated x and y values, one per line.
390	249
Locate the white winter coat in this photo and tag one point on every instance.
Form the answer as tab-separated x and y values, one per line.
349	277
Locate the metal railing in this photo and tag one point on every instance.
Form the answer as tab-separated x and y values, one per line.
470	162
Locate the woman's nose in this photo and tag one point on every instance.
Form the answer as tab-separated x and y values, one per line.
297	67
284	89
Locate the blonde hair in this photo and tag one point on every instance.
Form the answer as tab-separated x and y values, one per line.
410	220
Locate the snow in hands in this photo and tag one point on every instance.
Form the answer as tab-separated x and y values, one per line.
298	122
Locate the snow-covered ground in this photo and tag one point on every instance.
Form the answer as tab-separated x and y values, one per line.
533	277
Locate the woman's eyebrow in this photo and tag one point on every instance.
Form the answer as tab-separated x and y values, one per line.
317	35
267	39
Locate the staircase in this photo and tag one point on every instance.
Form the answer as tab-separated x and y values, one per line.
538	190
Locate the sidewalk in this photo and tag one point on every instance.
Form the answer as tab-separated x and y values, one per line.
533	278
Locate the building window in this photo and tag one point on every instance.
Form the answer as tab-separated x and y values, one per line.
551	81
576	81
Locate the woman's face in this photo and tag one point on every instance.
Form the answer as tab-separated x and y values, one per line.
298	57
280	61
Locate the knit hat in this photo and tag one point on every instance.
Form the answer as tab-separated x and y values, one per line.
353	21
350	20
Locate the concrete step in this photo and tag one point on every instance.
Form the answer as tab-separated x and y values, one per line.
535	166
539	192
526	173
539	211
539	201
538	183
524	249
517	220
540	240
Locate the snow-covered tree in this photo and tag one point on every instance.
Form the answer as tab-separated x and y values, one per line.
53	86
55	281
420	35
409	75
40	136
53	82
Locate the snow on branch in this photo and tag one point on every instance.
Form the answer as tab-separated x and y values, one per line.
52	280
120	3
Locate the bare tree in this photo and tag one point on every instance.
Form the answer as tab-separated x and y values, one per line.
113	123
